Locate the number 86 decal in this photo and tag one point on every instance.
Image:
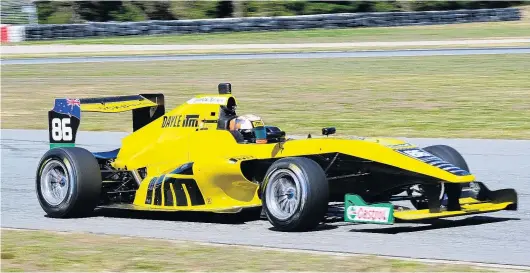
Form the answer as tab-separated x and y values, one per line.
61	130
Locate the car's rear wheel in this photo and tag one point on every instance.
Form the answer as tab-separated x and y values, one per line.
449	154
68	182
295	194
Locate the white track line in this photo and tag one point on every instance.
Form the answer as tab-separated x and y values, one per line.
58	48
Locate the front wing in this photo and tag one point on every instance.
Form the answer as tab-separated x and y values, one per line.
358	211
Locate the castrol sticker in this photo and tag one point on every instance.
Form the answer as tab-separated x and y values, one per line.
368	214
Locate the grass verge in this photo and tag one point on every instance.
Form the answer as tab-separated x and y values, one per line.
480	96
24	250
407	33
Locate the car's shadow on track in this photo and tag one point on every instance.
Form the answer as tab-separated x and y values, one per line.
242	217
437	224
322	227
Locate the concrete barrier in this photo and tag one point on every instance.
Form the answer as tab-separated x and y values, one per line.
340	20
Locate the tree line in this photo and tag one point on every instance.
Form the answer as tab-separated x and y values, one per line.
54	12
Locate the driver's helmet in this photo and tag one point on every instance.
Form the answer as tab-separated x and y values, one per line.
251	127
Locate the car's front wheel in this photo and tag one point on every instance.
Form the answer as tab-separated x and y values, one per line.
295	194
450	155
68	182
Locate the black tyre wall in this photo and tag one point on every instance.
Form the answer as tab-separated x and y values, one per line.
448	154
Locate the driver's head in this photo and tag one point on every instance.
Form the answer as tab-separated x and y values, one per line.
251	127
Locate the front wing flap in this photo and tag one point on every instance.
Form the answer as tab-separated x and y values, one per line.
358	211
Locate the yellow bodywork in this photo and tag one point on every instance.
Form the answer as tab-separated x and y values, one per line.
469	206
117	106
189	133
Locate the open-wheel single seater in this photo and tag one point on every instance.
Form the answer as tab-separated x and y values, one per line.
201	156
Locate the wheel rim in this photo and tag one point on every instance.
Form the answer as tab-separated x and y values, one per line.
55	182
418	189
475	189
283	194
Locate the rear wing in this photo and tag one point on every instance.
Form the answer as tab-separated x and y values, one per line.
65	117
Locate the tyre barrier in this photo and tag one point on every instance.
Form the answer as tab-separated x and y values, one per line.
326	21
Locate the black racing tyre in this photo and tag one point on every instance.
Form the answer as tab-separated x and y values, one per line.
68	182
295	194
448	154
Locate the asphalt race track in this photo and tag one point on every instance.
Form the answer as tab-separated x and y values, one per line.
500	237
248	56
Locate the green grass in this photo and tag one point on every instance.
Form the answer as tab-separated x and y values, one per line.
32	251
408	33
486	96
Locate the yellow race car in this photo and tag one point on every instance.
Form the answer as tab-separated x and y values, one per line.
203	156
